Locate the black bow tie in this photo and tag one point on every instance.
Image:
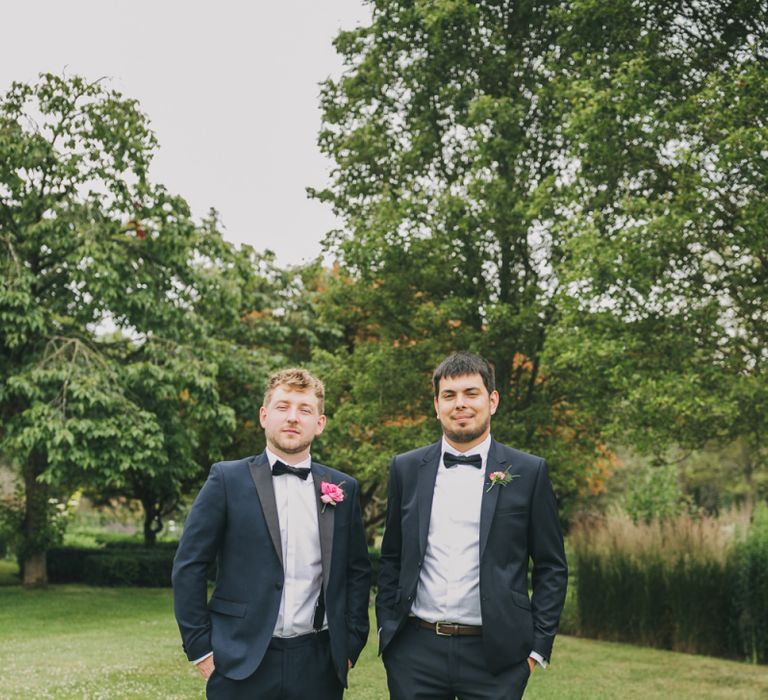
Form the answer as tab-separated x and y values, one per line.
452	460
279	468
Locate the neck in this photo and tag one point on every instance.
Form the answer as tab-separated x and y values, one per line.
467	446
291	459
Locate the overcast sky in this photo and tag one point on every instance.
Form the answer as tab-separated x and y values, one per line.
231	89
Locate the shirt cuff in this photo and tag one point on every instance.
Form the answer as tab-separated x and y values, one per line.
202	658
539	659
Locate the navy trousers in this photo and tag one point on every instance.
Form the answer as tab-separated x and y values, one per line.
297	668
424	666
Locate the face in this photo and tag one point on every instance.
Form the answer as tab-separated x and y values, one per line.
291	420
464	408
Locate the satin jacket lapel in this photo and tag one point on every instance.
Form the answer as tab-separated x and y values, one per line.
262	478
488	505
325	521
425	490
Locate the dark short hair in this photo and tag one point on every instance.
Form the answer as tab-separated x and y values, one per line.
458	364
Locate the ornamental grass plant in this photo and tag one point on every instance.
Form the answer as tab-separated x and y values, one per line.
686	583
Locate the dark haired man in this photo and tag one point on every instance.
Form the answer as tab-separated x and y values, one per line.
463	518
289	614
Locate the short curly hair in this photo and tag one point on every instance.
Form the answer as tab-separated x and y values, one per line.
296	379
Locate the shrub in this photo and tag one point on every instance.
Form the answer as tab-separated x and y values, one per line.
130	568
139	545
122	566
67	564
665	584
749	602
143	567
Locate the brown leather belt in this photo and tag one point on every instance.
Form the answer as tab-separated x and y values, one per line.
448	629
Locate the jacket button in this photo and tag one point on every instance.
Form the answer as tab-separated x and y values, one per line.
278	585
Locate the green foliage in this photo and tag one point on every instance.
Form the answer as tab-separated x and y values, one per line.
446	132
576	190
12	538
67	564
654	493
693	585
663	283
133	568
118	564
109	293
749	604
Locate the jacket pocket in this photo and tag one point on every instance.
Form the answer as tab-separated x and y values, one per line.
227	607
521	600
502	512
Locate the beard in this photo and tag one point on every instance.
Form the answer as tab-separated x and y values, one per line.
289	448
467	434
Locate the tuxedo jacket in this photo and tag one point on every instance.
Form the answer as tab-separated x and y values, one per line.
234	521
518	521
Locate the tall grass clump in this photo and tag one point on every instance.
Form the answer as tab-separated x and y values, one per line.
666	583
749	599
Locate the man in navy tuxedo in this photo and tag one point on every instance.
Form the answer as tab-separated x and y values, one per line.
288	616
464	517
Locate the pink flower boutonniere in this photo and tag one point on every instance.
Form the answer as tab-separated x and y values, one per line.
331	494
501	478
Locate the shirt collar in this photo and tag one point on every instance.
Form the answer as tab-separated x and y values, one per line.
304	464
482	449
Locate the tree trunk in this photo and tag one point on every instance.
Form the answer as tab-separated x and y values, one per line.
152	522
33	565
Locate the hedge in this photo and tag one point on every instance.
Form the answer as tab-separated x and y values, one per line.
67	564
694	585
116	564
135	568
749	593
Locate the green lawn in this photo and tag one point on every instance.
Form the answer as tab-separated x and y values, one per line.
79	642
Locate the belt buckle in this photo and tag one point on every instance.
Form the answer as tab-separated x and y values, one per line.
437	628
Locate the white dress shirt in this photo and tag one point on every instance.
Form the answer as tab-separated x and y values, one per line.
449	581
300	539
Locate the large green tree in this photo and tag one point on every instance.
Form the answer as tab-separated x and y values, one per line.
576	189
446	131
106	375
665	301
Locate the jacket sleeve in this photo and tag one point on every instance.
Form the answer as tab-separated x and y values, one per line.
391	548
358	582
199	544
550	570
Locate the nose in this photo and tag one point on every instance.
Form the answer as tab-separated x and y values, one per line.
293	415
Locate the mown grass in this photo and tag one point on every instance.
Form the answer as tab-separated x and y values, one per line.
79	642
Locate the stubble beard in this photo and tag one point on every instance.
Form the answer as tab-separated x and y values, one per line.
289	448
466	435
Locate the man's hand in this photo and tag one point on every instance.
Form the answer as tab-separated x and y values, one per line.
349	666
206	667
531	663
